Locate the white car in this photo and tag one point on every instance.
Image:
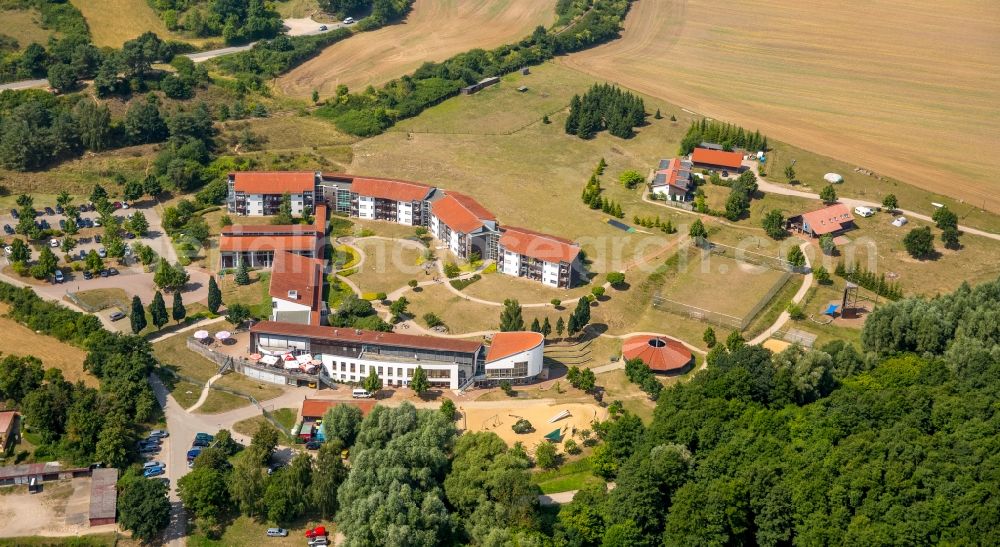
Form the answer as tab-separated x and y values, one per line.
349	20
153	463
899	222
8	249
53	243
102	252
124	205
864	211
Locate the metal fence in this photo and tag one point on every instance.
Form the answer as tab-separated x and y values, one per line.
112	303
663	303
747	256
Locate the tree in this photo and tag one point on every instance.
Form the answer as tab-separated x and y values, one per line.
826	243
287	493
560	327
949	236
709	337
631	178
284	215
242	276
246	484
94	122
138	224
47	262
828	194
796	257
143	123
545	455
327	477
115	441
62	77
555	302
822	275
342	422
143	508
510	317
237	314
945	218
315	96
157	310
170	278
919	243
737	205
616	279
889	202
138	316
582	313
448	409
204	492
398	308
94	262
597	291
20	252
419	382
697	231
789	174
372	383
546	328
178	311
774	224
536	326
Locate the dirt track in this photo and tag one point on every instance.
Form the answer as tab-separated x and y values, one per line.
879	85
434	31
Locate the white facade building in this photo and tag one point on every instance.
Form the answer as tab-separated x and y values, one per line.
260	193
540	257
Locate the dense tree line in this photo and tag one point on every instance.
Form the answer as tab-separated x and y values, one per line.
75	422
726	134
602	107
830	445
237	21
372	111
72	46
878	284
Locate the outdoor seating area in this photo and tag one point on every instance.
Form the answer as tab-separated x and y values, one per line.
289	362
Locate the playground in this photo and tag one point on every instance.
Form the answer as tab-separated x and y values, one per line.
500	416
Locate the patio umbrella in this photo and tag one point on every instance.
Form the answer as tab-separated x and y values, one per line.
223	335
201	335
269	360
255	356
289	357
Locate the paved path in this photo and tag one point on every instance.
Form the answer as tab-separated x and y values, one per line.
25	84
204	394
785	316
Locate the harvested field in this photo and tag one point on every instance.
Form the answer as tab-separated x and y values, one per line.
433	31
16	339
878	85
112	22
23	26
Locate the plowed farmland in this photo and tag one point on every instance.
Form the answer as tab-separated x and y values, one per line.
909	89
433	31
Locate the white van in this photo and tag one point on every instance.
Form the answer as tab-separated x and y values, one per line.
864	211
361	394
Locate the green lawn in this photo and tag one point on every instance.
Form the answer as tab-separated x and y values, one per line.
247	531
572	475
221	401
96	540
255	295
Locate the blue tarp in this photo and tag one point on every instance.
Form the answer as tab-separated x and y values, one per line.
831	309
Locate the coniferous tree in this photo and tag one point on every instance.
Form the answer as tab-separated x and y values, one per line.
178	312
158	311
214	295
138	316
510	317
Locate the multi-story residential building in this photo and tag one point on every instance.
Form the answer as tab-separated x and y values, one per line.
399	201
260	193
349	355
257	244
464	226
551	260
672	180
296	289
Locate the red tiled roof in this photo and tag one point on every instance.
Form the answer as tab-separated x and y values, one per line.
660	354
316	408
292	272
721	158
366	337
268	243
396	190
6	419
538	245
274	182
246	230
505	344
828	219
461	213
672	173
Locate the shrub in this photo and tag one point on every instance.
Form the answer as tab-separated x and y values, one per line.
451	270
463	283
546	456
507	388
571	447
522	426
432	320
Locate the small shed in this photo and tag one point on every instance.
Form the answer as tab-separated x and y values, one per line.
525	71
103	496
481	84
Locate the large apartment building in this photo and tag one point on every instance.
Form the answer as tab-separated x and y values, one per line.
465	226
349	355
259	193
399	201
256	244
551	260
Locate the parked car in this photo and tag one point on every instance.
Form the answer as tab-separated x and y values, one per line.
153	463
97	223
322	28
59	209
45	224
161	433
864	211
277	532
53	243
319	542
8	249
192	454
49	211
148	448
205	436
152	472
13	213
112	271
7	229
200	443
125	205
152	440
104	273
97	238
360	393
725	174
129	235
58	276
164	480
319	531
89	223
117	205
102	252
62	224
87	274
313	445
116	315
899	222
349	21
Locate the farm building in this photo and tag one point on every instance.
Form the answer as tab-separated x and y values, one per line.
480	85
260	193
552	260
256	244
296	289
659	353
39	472
10	429
833	220
103	496
672	180
705	158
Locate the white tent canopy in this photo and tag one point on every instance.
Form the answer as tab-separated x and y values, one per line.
269	359
223	335
833	178
201	335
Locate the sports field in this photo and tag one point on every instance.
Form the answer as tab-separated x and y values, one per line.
909	89
433	31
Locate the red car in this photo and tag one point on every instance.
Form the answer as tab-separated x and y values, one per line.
319	531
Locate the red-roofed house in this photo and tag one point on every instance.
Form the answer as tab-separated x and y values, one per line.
257	244
259	193
514	356
705	158
10	429
833	220
525	253
672	180
296	289
399	201
464	226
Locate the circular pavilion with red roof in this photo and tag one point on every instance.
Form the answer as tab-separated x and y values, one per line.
661	354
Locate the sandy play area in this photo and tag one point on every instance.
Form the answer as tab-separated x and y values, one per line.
501	415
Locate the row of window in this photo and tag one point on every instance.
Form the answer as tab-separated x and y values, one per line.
383	371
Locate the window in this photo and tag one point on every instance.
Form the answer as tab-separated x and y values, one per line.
399	372
352	367
380	371
343	366
361	369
